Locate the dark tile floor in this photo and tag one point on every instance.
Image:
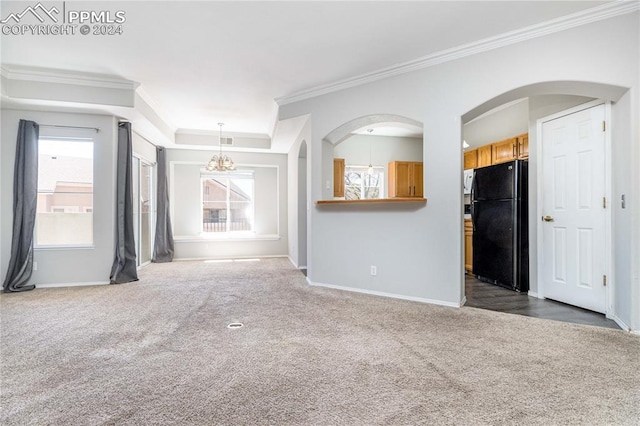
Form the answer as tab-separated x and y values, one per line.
488	296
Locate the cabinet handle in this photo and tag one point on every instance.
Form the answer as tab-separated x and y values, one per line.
514	150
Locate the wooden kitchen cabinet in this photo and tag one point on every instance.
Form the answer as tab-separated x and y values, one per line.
406	179
504	151
523	145
338	177
468	246
471	159
484	156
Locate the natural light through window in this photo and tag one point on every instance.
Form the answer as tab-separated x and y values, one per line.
64	214
228	202
361	185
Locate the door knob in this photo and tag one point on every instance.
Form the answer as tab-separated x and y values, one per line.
547	218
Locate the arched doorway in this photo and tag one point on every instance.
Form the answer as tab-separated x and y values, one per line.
557	99
302	206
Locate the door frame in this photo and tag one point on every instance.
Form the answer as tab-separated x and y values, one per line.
608	228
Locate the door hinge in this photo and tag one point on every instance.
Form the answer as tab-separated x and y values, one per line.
604	280
604	202
604	126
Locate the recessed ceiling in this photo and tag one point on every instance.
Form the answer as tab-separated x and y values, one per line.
207	62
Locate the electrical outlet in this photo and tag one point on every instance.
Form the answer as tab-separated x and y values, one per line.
374	270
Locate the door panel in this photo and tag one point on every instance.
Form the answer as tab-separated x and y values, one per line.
573	158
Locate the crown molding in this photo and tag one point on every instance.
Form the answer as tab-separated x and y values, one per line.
41	75
598	13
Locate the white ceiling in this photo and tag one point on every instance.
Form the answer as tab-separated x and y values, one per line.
209	62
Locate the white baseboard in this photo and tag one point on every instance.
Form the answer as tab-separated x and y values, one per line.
534	294
463	301
56	285
384	294
621	324
196	259
292	262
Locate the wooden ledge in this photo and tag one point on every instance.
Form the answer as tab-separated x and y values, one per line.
373	201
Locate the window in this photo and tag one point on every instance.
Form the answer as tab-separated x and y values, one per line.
359	185
64	213
227	202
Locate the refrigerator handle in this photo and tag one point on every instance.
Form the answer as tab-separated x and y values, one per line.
472	210
473	187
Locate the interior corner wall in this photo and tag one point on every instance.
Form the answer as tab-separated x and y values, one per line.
270	201
66	266
418	251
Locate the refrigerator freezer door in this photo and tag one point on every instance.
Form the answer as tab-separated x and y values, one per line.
495	182
494	250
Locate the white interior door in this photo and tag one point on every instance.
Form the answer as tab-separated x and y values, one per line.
573	221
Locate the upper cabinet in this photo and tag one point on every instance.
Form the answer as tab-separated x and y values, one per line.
523	145
471	159
498	152
338	177
484	156
503	151
406	179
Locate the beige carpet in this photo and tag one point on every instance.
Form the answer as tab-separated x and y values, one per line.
158	351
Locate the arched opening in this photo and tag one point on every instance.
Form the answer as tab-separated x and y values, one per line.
490	123
302	206
357	154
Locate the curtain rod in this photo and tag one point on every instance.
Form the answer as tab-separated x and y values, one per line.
97	129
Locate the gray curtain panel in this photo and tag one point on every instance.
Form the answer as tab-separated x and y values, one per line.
124	267
25	196
163	246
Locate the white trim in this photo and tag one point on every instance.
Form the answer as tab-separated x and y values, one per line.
598	13
199	259
292	262
384	294
534	294
608	270
172	165
63	77
463	301
623	325
227	237
83	284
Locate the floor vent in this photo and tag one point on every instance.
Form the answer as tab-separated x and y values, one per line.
235	325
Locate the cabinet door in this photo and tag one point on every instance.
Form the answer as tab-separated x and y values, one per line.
484	156
503	151
468	246
471	159
338	177
399	179
417	175
523	146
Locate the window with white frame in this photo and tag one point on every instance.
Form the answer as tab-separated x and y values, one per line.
227	202
64	213
361	183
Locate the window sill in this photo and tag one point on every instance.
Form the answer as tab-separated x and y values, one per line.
373	201
73	247
227	237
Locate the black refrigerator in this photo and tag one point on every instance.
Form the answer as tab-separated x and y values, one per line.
500	225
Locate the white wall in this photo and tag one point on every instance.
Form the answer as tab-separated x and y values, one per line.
501	124
384	149
270	238
419	250
60	266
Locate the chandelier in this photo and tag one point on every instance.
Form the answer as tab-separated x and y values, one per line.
219	162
